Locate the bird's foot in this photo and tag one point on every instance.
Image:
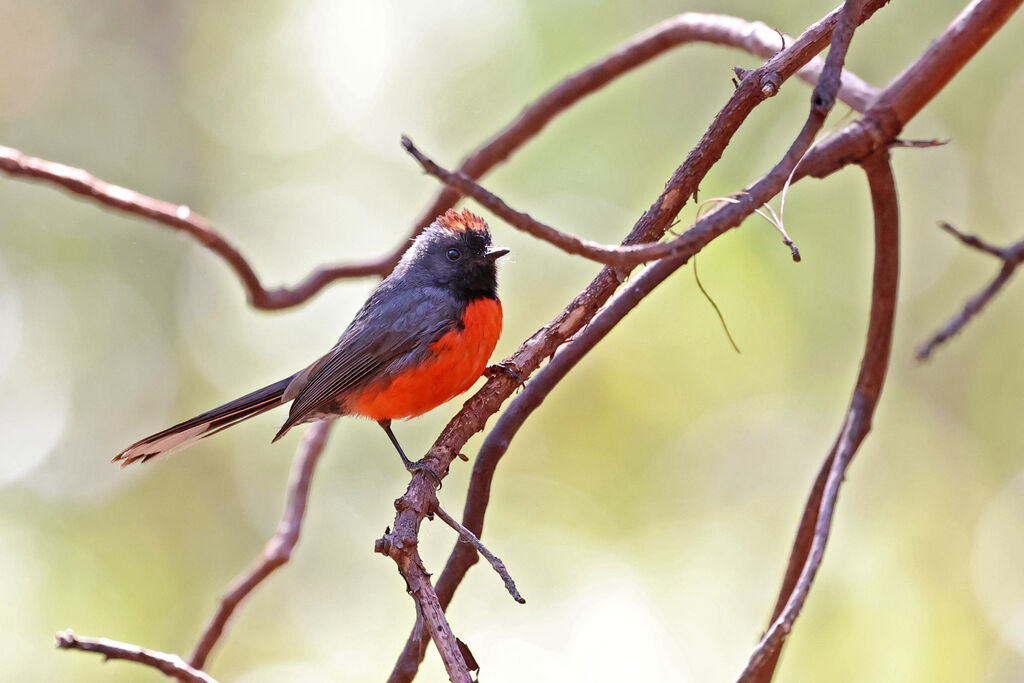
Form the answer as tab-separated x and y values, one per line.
420	466
507	368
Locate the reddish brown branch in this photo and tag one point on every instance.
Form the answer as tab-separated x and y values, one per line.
167	664
907	93
1011	257
278	549
813	533
182	218
618	256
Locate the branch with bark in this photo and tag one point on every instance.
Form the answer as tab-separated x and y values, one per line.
591	315
169	665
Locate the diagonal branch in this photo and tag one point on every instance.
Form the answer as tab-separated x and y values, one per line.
813	533
169	665
278	549
472	539
1011	257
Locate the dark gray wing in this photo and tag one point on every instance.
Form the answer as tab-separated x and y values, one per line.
392	332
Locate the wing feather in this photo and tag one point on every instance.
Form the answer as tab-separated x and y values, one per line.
388	335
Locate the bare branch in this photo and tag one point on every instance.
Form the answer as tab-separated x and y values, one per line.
813	533
182	218
857	143
651	226
911	90
278	549
472	539
624	256
753	37
170	665
1011	257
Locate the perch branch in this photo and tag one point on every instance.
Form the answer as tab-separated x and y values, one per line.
169	665
404	550
471	538
278	549
816	523
1011	257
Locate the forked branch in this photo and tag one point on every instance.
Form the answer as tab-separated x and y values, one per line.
1011	258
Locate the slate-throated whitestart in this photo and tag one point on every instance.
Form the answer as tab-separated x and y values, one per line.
423	337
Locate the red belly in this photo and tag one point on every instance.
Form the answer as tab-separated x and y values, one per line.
457	360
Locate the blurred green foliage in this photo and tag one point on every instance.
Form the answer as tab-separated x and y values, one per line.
647	510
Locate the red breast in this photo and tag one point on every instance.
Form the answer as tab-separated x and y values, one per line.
458	358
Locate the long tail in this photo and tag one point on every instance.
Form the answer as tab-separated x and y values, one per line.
185	434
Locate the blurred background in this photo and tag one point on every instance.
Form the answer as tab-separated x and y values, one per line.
647	510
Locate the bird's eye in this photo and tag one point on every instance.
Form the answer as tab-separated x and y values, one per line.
453	254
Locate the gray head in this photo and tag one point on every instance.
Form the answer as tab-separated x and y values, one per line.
454	252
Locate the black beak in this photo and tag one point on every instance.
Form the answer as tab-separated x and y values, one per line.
495	253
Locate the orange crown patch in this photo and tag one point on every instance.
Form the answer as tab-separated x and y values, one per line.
462	221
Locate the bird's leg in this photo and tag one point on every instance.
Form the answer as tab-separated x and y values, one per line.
409	464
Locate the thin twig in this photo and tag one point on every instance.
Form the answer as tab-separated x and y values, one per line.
167	664
975	242
917	144
813	533
278	550
617	256
1011	258
472	539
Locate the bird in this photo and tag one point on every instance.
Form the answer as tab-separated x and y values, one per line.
423	336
